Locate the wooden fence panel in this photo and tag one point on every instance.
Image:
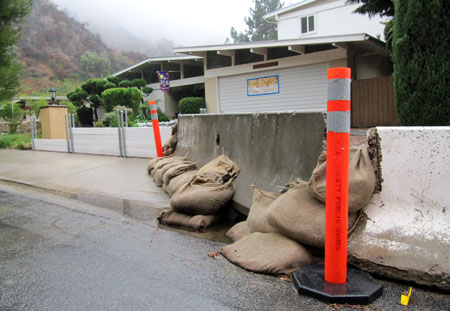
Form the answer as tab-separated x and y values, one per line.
373	103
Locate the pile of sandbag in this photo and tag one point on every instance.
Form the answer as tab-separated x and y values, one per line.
171	144
280	223
197	196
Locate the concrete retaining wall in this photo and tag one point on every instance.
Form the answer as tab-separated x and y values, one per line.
406	233
271	149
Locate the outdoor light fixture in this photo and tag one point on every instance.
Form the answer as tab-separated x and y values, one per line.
52	93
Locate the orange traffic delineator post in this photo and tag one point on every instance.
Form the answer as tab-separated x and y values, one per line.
155	124
334	282
336	202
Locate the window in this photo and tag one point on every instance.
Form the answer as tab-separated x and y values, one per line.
307	24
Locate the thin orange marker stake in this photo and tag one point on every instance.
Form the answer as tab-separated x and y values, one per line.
155	123
336	203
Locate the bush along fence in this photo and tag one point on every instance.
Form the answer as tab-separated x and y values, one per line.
120	141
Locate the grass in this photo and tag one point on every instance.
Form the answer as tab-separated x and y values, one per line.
15	141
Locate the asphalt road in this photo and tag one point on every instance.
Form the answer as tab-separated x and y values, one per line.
57	253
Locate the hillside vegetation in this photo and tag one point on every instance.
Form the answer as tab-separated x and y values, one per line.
52	47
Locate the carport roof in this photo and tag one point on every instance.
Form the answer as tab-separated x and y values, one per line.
292	44
158	60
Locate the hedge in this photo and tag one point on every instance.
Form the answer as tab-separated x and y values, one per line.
128	97
190	105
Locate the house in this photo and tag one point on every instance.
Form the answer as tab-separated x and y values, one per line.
186	79
289	74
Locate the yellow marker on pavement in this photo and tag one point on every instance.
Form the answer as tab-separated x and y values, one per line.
405	299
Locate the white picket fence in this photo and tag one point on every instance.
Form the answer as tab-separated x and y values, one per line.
138	141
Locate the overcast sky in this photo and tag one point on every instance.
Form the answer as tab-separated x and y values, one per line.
186	22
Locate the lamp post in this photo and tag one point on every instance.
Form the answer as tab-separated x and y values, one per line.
52	93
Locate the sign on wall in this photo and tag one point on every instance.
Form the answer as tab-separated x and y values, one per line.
263	86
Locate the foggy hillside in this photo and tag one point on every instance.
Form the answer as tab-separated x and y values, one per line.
115	35
51	47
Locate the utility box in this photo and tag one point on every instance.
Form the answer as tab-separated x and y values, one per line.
53	122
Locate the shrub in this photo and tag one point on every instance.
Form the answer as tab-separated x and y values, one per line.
113	79
147	90
85	116
125	83
162	116
70	106
191	105
110	119
11	111
99	124
128	97
15	141
36	105
77	96
421	62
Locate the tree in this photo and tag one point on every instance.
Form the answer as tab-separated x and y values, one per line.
12	14
375	7
258	28
421	56
128	97
383	8
94	63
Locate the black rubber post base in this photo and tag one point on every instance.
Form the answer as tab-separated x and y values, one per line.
361	288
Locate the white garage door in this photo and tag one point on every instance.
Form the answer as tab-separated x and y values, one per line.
301	88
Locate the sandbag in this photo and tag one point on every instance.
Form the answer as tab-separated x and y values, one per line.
238	231
177	182
202	196
361	179
151	164
174	129
158	176
198	222
267	253
257	216
297	215
179	169
172	142
222	166
164	161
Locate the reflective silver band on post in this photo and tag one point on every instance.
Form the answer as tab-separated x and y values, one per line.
154	116
153	107
338	121
339	89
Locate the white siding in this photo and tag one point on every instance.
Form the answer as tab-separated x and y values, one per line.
331	18
302	88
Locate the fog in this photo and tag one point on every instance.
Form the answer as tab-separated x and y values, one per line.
186	23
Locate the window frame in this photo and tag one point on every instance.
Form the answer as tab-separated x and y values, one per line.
308	32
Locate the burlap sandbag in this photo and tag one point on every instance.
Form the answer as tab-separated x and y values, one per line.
174	128
179	169
158	176
198	222
222	166
267	253
257	216
202	196
238	231
166	160
297	215
361	183
151	164
177	182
